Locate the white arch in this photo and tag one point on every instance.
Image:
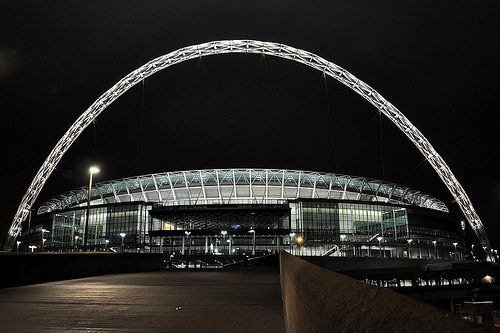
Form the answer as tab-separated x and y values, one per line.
256	47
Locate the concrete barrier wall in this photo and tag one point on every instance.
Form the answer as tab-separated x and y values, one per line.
22	269
319	300
356	263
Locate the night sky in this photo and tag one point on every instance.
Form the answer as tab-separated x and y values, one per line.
438	62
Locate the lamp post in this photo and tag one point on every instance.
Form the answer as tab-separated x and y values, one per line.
29	223
189	248
472	252
17	243
106	242
435	249
32	247
299	240
187	235
379	238
43	238
92	171
455	245
252	231
292	235
122	235
76	241
494	255
223	233
342	239
409	247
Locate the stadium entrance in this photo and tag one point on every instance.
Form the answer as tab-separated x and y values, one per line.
234	229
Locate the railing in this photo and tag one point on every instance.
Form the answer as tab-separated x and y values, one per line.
229	201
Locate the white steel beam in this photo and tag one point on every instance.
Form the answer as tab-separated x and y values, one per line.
234	187
203	188
283	184
156	188
218	186
171	186
187	186
117	198
128	191
143	195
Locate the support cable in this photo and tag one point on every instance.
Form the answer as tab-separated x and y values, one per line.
279	108
95	141
142	133
381	146
331	119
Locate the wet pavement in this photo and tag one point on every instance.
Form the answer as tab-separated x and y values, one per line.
215	301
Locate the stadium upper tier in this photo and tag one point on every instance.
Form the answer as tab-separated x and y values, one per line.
241	186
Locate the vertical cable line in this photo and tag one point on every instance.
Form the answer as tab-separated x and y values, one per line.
95	142
381	145
277	115
141	132
201	82
331	119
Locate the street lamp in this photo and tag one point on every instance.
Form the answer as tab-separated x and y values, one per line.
18	242
252	231
106	242
28	210
472	252
409	247
122	235
379	238
299	240
76	241
292	235
342	239
92	171
43	238
32	247
223	233
189	248
455	245
435	248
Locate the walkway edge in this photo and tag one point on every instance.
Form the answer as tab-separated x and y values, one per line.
319	300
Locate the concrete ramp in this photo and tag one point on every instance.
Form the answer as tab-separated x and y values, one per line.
318	300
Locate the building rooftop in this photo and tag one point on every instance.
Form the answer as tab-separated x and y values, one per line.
241	186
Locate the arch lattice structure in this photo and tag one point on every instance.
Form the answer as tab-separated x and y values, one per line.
255	47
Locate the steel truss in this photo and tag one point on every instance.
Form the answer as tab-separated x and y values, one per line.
255	47
250	186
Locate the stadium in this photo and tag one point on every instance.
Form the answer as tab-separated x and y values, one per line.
248	211
254	211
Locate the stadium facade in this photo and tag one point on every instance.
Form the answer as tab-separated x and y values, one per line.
248	211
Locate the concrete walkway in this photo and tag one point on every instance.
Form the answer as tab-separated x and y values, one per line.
230	301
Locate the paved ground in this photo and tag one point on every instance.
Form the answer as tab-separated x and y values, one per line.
232	301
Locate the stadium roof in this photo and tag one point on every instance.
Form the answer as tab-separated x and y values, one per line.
219	186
